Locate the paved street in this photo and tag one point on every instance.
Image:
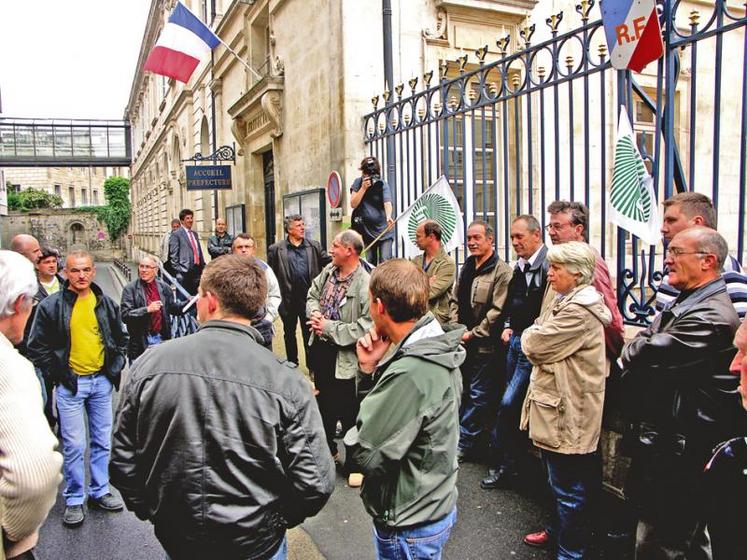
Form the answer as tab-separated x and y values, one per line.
490	525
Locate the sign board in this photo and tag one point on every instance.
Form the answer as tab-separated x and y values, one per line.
311	205
335	214
633	33
208	177
334	189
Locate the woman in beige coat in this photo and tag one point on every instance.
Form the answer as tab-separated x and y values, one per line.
563	406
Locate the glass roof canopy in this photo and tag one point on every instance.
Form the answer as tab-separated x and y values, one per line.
64	143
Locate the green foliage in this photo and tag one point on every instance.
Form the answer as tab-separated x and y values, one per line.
116	213
31	199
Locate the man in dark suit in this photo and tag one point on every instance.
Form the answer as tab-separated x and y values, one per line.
185	253
296	261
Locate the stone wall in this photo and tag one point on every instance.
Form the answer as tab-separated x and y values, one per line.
63	230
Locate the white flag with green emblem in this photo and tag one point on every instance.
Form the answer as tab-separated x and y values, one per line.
436	203
632	204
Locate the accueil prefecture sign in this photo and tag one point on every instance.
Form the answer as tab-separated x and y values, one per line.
208	177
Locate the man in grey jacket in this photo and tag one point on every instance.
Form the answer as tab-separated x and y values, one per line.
218	442
405	440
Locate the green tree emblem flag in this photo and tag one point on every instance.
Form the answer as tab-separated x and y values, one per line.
433	206
629	195
437	203
632	203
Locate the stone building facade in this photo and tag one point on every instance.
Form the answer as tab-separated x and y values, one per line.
298	118
78	186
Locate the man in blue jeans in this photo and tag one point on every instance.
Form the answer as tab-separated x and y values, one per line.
477	302
406	434
78	341
523	304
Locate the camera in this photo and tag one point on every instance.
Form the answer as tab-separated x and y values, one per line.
371	169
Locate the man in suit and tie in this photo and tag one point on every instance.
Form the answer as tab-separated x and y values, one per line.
296	261
185	253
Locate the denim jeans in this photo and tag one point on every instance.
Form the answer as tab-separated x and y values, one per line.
573	480
507	440
380	252
480	374
425	542
94	396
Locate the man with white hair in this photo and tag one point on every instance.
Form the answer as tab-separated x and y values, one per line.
147	305
30	470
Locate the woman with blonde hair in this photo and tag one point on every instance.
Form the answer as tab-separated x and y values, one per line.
563	406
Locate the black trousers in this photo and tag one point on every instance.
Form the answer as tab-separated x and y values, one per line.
295	314
337	398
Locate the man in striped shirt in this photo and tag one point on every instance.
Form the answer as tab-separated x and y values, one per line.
683	211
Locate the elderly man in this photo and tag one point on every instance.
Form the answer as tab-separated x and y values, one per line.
30	470
244	244
477	303
147	305
406	437
523	305
685	210
726	473
185	253
296	261
218	442
79	342
438	266
27	245
220	243
337	307
680	398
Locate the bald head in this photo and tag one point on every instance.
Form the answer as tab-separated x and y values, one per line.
27	245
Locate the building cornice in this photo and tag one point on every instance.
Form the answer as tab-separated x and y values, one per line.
150	35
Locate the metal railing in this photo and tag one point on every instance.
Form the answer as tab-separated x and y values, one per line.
539	124
123	268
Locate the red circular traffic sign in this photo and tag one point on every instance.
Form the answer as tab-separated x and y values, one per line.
334	189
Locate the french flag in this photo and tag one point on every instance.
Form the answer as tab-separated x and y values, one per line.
183	42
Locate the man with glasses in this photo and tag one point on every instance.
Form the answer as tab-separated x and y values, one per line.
685	210
569	221
147	305
680	398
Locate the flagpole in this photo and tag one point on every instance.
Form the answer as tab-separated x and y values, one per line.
390	226
241	60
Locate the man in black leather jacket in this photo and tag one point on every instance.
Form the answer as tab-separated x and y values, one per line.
218	442
147	306
676	374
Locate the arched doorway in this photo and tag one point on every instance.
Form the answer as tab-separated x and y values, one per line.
77	234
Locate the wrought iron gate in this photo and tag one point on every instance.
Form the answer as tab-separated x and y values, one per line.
539	124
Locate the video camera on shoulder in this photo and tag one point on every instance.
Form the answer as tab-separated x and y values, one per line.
371	168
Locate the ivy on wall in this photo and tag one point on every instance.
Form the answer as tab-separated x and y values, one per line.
116	213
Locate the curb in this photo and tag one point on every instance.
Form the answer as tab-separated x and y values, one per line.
117	276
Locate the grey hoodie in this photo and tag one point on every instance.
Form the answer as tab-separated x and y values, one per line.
406	435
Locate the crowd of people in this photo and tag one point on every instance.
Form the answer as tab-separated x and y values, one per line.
415	367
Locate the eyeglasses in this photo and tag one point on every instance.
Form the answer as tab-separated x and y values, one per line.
677	252
556	227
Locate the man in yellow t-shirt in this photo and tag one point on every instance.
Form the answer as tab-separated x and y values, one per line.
79	342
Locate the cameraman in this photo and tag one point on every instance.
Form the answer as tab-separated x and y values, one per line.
371	201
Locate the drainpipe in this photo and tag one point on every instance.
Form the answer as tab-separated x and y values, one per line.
389	85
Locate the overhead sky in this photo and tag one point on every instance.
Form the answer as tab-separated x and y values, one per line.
69	58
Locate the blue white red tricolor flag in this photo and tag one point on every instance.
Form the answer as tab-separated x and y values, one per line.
182	44
633	33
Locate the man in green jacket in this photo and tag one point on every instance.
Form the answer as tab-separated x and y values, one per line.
337	308
438	266
407	431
